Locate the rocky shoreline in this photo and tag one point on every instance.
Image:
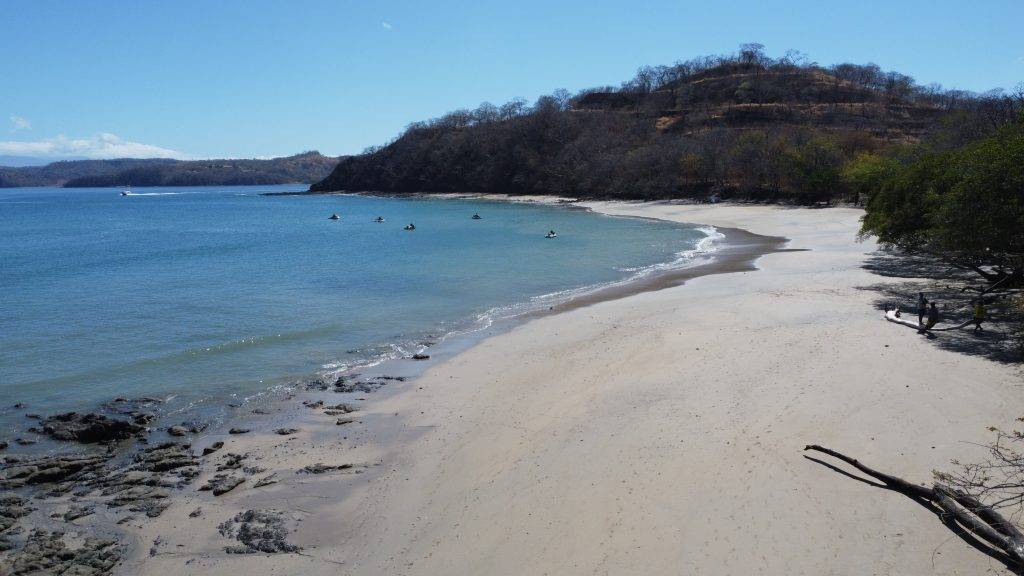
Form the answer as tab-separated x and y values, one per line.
76	510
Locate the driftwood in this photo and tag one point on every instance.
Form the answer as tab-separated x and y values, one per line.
981	520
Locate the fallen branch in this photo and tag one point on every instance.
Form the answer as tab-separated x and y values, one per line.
981	520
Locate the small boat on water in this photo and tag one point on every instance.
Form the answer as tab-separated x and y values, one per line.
477	217
127	190
551	234
379	219
410	226
334	217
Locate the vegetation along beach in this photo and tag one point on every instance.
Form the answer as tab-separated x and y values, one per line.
745	313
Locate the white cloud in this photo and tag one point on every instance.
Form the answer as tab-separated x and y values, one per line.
97	147
20	123
386	25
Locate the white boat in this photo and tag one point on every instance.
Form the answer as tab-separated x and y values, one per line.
127	190
551	235
911	322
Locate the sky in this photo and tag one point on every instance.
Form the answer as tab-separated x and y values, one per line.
200	79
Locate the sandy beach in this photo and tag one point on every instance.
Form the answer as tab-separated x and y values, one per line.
656	433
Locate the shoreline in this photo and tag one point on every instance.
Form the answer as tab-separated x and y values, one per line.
652	432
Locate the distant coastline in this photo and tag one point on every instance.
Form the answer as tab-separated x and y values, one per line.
146	172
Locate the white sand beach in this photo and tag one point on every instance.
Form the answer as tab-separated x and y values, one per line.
659	433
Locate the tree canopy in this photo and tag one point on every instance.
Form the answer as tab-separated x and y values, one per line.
964	205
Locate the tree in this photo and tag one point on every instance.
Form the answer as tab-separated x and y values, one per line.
866	173
965	206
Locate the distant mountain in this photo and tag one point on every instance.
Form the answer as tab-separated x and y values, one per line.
19	161
743	125
305	167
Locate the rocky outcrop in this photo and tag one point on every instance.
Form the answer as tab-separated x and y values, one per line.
46	552
91	428
222	483
258	531
67	471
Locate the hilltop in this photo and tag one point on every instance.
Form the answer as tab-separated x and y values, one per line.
742	125
305	167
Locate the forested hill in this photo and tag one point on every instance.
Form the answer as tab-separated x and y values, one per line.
306	167
743	125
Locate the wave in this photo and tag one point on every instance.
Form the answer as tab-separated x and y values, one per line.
702	251
405	347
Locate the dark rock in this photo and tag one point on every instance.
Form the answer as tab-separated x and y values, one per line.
312	404
12	507
231	461
258	531
343	421
3	445
24	441
212	448
261	411
33	416
317	384
177	431
286	431
49	469
76	512
88	428
195	513
222	483
46	552
420	356
339	409
238	431
320	468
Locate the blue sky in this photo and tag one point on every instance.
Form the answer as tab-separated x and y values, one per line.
261	78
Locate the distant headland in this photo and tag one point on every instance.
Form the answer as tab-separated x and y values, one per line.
306	167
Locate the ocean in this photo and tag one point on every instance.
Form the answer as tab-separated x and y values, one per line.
210	296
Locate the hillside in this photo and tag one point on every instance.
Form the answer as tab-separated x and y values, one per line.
743	125
306	167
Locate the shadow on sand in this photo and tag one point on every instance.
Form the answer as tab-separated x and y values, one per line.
944	285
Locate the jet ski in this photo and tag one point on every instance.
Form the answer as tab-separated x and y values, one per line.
334	217
551	234
477	217
379	219
410	227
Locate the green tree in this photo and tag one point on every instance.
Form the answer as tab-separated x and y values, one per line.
965	206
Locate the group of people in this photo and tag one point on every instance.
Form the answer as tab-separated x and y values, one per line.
931	311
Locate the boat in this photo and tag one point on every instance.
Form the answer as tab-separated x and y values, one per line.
334	217
379	219
410	227
127	190
897	317
551	234
477	217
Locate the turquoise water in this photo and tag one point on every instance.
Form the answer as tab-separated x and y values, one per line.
210	295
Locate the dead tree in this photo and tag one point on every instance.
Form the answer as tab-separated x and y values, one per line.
966	510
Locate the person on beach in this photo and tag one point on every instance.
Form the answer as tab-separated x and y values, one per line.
933	319
979	314
922	308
